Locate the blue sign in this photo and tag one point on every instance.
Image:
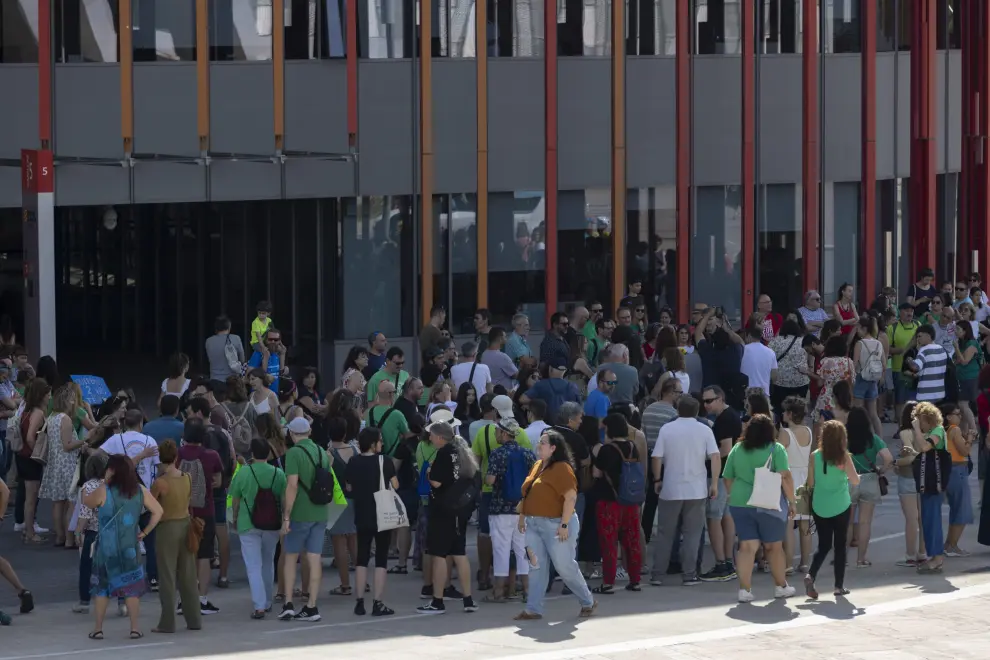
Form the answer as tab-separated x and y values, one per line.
94	389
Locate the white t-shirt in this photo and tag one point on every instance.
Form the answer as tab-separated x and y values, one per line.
185	386
131	444
482	376
684	445
757	363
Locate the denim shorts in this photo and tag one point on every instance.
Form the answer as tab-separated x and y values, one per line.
754	525
958	496
305	536
906	486
345	523
868	490
865	389
717	508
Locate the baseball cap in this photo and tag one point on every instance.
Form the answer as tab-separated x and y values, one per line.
445	415
299	425
557	362
442	429
509	425
503	404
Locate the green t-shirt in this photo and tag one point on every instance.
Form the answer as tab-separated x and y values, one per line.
296	463
741	464
381	375
900	336
971	370
589	330
594	352
393	429
485	443
939	432
245	484
831	488
866	461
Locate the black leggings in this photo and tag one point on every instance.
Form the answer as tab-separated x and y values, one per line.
382	541
832	533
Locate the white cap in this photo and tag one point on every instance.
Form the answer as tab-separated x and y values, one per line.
503	405
444	414
299	426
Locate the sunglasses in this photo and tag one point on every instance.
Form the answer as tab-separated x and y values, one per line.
640	310
960	288
596	310
708	401
611	382
399	363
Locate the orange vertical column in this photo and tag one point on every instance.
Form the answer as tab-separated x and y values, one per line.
203	74
126	59
809	144
426	158
618	151
278	70
868	185
481	61
748	155
683	157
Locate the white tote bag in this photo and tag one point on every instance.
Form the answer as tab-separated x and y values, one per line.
390	509
766	487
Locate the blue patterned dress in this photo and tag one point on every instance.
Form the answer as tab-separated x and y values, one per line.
118	571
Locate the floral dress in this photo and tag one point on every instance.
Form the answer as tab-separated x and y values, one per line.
832	370
59	479
118	570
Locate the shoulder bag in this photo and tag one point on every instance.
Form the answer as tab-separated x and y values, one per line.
766	486
389	509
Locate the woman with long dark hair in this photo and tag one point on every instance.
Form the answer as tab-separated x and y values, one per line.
355	362
907	493
468	410
870	458
547	516
118	571
177	382
29	471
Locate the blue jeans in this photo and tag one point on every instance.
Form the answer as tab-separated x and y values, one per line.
258	551
931	523
579	512
541	538
86	565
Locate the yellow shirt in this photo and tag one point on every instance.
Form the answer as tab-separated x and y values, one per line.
258	328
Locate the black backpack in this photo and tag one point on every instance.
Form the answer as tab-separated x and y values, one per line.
460	496
321	490
267	512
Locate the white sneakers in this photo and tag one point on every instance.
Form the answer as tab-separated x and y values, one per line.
786	591
38	529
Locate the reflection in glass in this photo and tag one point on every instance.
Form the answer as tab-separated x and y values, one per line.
517	257
453	28
947	32
18	31
781	22
893	223
241	30
841	250
778	221
386	29
306	24
164	30
455	259
85	30
717	27
716	241
584	246
904	8
947	219
651	244
376	257
515	28
651	27
840	25
886	25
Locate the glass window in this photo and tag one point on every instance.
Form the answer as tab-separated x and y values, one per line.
947	217
886	25
86	31
517	257
947	32
583	27
584	246
904	8
18	31
376	256
779	234
781	26
716	241
841	250
651	27
454	28
164	30
241	30
515	28
455	228
651	245
386	29
314	29
893	223
840	25
717	27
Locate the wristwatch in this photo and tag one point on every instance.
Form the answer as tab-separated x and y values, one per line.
563	525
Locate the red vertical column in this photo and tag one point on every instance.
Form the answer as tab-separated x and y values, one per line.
981	181
922	190
550	159
868	174
746	261
809	144
966	25
351	53
683	147
45	73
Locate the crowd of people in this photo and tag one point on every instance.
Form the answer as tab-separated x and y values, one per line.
570	457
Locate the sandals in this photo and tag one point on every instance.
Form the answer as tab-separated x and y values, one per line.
492	598
588	611
398	570
258	614
279	598
842	591
96	635
607	589
136	634
809	587
928	569
527	616
864	564
341	590
299	593
634	586
37	539
223	583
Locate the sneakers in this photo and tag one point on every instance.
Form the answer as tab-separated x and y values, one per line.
722	572
656	581
910	562
469	605
359	607
287	613
785	591
153	585
450	593
435	606
81	608
38	529
121	608
426	593
690	580
745	596
955	552
307	614
208	608
27	601
621	575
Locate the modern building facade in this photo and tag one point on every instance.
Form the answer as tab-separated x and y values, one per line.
355	162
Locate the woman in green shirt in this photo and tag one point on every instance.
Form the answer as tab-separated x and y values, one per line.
870	458
832	474
967	356
929	435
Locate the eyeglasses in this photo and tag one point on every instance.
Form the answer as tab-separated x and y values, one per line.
960	288
640	310
596	310
709	401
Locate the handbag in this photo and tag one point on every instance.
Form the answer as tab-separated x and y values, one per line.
881	479
805	497
766	486
40	451
389	509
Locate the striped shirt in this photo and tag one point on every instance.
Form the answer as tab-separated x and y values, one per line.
655	416
932	361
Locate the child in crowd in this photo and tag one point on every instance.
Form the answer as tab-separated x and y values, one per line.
260	325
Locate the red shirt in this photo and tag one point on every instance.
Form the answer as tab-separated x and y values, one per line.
846	315
210	461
